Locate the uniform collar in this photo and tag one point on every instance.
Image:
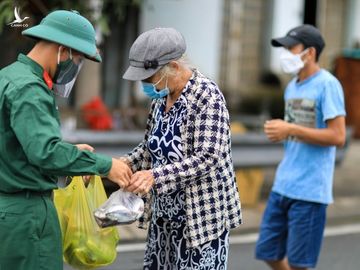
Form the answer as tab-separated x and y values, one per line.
36	69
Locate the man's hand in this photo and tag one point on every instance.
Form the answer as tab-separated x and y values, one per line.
141	182
85	147
120	173
277	130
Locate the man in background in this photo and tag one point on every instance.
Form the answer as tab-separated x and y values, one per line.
293	224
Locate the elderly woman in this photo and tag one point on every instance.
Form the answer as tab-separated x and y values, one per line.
184	164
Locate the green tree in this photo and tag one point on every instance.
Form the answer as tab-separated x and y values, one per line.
116	22
97	11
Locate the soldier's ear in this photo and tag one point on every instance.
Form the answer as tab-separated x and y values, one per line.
64	53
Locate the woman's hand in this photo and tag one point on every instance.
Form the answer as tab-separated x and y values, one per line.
141	182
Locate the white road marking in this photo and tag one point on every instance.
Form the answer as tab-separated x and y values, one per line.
252	237
342	230
130	247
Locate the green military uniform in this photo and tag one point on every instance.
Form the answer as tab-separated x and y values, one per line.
32	155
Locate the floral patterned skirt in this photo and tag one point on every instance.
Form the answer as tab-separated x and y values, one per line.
166	249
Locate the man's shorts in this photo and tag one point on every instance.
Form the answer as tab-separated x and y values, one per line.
293	229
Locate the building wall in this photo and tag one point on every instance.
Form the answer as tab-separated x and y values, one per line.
332	23
352	23
241	48
248	26
230	73
253	32
200	23
236	34
285	15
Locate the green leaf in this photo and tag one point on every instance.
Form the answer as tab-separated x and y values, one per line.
6	13
104	25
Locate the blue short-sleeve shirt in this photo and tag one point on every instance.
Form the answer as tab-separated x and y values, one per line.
306	171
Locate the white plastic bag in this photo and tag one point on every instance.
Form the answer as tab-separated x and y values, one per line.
121	208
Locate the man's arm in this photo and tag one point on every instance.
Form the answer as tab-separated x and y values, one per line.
333	134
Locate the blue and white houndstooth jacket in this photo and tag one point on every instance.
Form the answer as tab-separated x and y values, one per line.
206	172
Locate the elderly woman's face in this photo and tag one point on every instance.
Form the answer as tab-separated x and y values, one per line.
158	79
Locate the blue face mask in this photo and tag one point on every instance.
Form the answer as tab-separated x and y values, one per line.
151	91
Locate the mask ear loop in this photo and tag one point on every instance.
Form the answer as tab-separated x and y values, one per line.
165	74
58	56
304	51
166	83
160	81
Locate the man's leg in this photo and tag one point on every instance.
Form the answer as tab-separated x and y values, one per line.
279	265
282	265
271	245
50	242
305	233
297	268
30	233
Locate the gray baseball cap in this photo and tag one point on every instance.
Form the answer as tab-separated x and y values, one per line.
152	50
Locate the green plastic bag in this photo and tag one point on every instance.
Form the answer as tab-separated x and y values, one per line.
85	244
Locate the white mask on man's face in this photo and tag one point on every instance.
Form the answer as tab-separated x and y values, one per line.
291	63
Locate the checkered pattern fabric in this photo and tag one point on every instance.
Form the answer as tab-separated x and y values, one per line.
206	172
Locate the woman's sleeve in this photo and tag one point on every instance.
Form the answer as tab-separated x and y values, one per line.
211	135
139	158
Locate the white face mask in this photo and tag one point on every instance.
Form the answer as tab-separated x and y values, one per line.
291	63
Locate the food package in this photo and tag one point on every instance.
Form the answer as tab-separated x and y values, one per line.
121	208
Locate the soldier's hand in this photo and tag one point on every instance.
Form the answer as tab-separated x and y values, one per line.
120	173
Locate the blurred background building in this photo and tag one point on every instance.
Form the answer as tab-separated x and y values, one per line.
228	40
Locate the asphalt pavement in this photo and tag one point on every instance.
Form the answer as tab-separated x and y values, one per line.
339	252
345	210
